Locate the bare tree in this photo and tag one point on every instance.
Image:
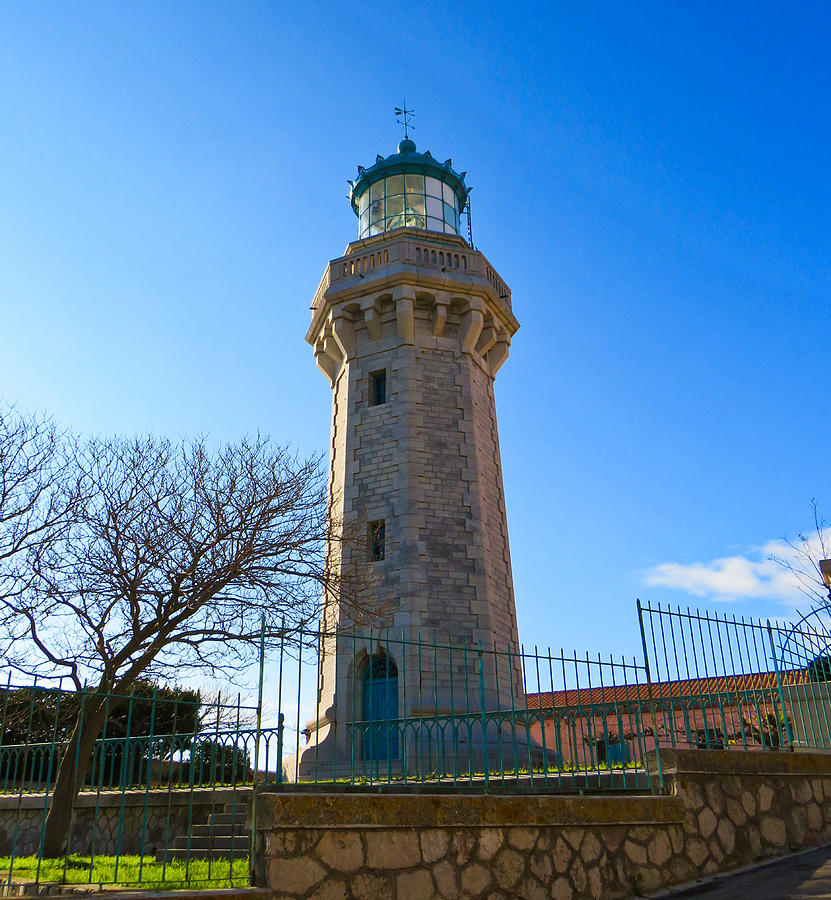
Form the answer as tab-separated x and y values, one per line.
34	501
803	562
173	557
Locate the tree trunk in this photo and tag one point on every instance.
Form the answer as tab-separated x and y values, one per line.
71	772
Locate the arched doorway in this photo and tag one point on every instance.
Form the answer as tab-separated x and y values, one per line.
380	708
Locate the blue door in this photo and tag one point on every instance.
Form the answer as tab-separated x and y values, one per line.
380	708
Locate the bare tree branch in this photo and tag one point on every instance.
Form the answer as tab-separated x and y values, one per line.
804	560
150	558
35	505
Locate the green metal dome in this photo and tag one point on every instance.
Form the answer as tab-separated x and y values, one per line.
408	189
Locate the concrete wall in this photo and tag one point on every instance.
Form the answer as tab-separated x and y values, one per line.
722	810
96	823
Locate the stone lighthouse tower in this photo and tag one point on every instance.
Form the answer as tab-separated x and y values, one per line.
410	326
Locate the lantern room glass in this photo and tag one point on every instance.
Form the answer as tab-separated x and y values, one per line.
408	201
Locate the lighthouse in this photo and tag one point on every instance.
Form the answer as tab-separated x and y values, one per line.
411	326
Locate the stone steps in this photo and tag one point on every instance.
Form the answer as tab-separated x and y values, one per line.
234	830
231	818
217	842
223	836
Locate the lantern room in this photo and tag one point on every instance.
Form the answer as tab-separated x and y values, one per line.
408	190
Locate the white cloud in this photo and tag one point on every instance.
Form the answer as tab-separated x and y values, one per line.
748	575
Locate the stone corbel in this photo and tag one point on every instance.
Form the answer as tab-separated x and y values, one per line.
332	350
404	315
442	303
343	331
472	322
439	319
372	318
499	352
326	363
486	340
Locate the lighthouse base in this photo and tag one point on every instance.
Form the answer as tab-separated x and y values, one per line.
420	752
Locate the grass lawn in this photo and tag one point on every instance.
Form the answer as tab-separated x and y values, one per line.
178	873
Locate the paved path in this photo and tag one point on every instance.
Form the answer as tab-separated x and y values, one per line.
806	876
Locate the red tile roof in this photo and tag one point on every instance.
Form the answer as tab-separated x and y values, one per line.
665	690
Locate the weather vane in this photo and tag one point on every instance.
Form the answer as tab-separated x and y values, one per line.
404	117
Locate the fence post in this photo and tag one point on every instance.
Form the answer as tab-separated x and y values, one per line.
148	775
74	798
20	794
788	735
125	766
192	777
297	724
404	716
651	706
278	778
253	848
278	774
484	716
47	790
6	706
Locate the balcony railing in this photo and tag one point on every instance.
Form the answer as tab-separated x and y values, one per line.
365	258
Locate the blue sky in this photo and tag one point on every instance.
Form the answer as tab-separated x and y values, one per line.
653	182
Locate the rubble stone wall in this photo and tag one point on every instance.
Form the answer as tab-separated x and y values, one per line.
150	820
720	810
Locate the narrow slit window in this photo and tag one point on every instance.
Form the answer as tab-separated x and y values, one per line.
378	388
377	540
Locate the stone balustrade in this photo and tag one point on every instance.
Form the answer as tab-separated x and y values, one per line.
439	258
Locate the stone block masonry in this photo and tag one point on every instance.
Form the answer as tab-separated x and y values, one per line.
721	810
422	457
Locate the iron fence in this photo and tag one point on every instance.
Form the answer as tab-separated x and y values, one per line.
719	682
161	800
391	708
167	794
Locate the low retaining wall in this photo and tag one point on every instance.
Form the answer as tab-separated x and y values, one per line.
96	822
722	810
